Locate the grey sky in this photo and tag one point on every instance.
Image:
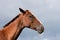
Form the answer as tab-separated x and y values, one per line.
48	11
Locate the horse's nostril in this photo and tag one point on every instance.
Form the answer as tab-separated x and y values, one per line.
41	29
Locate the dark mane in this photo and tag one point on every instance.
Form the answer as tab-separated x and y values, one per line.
11	20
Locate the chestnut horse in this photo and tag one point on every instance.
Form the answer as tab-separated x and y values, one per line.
12	30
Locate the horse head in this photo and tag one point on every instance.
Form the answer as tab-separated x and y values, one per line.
30	21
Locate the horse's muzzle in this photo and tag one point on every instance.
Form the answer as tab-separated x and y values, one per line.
40	29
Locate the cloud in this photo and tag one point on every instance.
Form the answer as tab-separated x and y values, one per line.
53	3
48	11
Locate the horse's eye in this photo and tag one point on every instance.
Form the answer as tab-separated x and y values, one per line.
31	17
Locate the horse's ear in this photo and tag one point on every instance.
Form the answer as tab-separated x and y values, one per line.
21	10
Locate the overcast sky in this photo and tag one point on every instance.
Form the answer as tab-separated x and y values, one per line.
47	11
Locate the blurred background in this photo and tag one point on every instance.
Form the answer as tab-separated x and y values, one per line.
47	11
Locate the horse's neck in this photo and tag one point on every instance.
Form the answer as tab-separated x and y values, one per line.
18	31
12	28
